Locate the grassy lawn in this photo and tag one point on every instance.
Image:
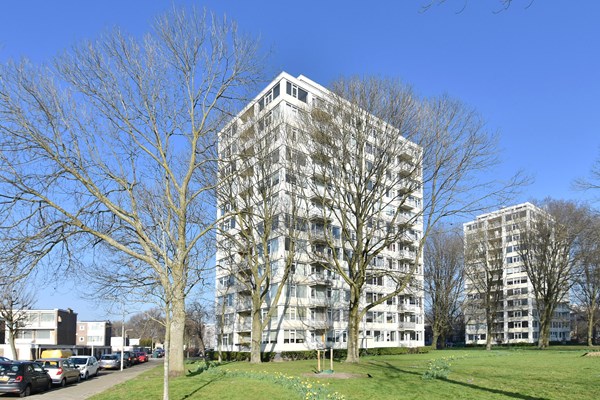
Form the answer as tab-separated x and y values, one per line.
474	374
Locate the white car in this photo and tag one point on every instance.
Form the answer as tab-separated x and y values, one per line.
88	365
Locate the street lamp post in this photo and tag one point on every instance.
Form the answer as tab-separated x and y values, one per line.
122	341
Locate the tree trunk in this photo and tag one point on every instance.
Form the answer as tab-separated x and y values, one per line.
434	339
177	330
353	355
590	328
167	348
256	335
13	346
545	322
488	332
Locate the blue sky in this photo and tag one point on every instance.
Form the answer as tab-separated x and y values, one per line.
532	72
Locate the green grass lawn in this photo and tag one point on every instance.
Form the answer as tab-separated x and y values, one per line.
474	374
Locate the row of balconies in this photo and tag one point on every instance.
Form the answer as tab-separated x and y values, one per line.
246	326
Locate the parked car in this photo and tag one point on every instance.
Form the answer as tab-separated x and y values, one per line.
23	378
142	357
128	358
158	353
61	370
111	361
88	365
134	357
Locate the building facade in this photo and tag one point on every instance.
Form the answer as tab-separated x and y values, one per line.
43	329
495	237
94	333
312	311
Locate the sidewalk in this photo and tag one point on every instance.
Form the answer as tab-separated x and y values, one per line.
104	381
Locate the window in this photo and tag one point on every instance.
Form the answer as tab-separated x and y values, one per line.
269	337
293	336
291	314
81	338
341	336
297	92
292	290
268	97
25	334
42	334
391	317
226	339
273	246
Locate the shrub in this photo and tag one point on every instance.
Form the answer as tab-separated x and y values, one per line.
299	355
438	368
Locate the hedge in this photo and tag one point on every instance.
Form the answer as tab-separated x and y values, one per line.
338	354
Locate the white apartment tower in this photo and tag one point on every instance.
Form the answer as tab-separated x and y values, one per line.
312	311
497	234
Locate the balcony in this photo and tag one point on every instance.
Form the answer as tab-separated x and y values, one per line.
406	155
244	326
318	214
319	301
319	323
413	308
244	306
407	325
320	279
406	170
406	255
319	235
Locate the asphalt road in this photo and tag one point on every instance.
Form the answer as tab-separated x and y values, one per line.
94	385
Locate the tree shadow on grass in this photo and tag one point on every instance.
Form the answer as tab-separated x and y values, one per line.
214	378
205	367
466	384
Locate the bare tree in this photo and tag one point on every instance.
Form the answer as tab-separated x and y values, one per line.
548	247
113	148
504	5
390	167
197	317
593	180
444	280
15	299
484	262
258	239
148	324
586	277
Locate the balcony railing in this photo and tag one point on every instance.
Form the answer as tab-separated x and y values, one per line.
407	325
408	307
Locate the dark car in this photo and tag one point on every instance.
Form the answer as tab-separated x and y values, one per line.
23	377
134	357
128	358
158	353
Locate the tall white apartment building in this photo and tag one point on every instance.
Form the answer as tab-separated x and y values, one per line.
312	311
514	312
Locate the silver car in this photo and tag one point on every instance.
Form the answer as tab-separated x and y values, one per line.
61	370
110	361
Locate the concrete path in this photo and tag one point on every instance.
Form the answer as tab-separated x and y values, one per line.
95	385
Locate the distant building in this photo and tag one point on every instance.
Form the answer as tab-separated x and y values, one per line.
94	333
515	315
43	329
